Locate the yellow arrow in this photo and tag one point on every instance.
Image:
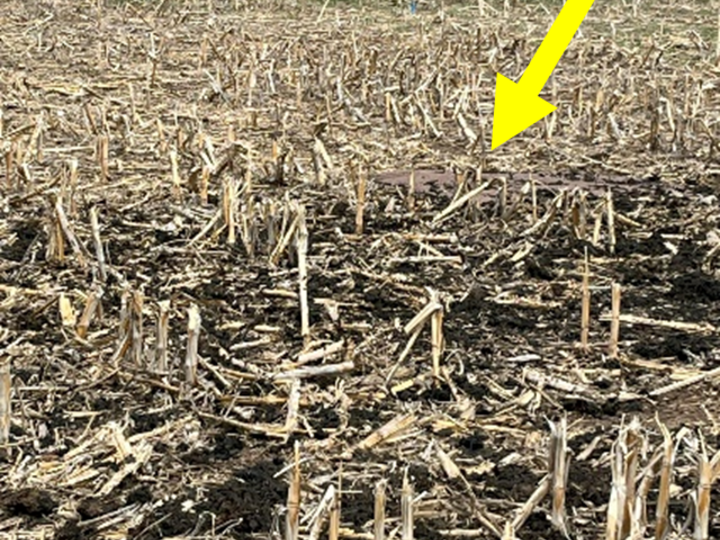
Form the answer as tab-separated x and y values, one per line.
518	106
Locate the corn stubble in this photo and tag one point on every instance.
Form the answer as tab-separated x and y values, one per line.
421	107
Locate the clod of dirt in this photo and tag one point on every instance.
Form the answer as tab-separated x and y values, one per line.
585	485
357	506
516	481
242	498
71	531
31	502
696	287
472	445
140	495
249	498
91	508
430	528
673	344
539	527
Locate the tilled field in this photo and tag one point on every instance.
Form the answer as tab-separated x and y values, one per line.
242	241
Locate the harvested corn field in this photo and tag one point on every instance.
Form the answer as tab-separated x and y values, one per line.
262	276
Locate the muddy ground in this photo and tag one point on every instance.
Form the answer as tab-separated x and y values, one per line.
102	445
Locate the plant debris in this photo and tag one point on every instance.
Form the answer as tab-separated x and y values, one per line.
261	277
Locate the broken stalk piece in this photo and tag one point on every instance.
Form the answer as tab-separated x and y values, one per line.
191	358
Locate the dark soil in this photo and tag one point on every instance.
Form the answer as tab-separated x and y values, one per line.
243	505
31	502
102	444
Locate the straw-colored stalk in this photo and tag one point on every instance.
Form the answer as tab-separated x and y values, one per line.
92	307
423	315
411	191
73	182
137	327
191	358
616	504
624	464
9	165
509	532
124	326
229	205
662	523
175	173
286	238
449	466
597	228
293	407
683	383
5	410
502	198
204	183
315	371
393	427
202	57
467	131
248	188
717	45
161	343
69	233
67	313
249	228
292	523
406	509
632	445
334	528
640	521
320	515
133	107
55	250
707	473
99	252
459	202
319	354
360	209
617	497
542	226
379	514
252	82
320	175
537	496
161	136
154	55
585	318
322	151
533	196
103	156
615	320
397	118
579	214
302	246
611	221
436	322
405	352
558	465
35	145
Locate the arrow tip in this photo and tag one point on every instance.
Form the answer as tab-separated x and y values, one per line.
516	109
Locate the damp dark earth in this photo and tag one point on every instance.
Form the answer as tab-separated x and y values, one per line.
261	275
